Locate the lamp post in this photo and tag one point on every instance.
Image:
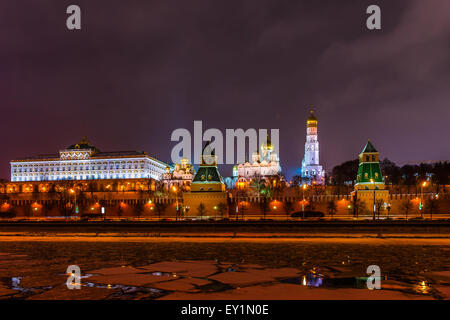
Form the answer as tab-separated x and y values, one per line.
424	184
73	191
303	201
373	184
175	189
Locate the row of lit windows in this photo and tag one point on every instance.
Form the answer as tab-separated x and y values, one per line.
75	168
81	172
366	175
68	167
74	163
85	177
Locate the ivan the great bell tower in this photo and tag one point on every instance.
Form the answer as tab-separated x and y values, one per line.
312	171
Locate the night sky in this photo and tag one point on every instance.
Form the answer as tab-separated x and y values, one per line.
140	69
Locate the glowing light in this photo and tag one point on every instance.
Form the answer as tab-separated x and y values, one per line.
304	281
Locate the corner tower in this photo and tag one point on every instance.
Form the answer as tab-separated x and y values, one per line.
369	188
369	172
312	171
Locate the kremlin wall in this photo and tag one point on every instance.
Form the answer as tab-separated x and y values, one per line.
132	199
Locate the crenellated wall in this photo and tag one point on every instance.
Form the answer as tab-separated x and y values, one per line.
144	199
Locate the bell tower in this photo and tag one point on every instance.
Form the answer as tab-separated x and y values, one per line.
312	171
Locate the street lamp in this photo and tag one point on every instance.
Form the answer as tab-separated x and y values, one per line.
72	191
373	184
424	184
303	201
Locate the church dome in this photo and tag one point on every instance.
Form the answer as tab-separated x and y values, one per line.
267	145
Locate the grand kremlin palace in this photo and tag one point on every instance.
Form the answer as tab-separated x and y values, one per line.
82	161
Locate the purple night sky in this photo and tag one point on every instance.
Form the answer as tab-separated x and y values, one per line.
140	69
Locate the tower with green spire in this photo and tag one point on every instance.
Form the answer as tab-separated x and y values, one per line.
370	187
369	172
207	188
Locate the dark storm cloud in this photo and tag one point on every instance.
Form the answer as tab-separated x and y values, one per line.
140	69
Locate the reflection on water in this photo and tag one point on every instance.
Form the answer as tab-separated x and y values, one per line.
316	279
423	287
313	280
16	285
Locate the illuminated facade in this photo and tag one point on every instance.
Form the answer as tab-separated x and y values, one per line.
207	188
312	171
265	165
180	175
370	187
82	161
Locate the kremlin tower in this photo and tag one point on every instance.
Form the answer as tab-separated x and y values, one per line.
312	171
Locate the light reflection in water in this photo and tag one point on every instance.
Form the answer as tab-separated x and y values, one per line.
423	287
312	280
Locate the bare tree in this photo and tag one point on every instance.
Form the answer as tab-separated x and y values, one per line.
288	207
201	209
431	206
138	209
406	206
264	205
331	208
379	205
222	209
160	208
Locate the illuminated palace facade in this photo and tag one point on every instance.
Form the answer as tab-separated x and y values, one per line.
82	161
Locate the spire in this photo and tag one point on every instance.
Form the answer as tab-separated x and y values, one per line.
84	140
369	147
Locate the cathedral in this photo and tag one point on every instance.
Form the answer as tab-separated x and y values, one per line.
312	172
264	164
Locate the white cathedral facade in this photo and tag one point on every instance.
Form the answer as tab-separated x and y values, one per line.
312	172
264	164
